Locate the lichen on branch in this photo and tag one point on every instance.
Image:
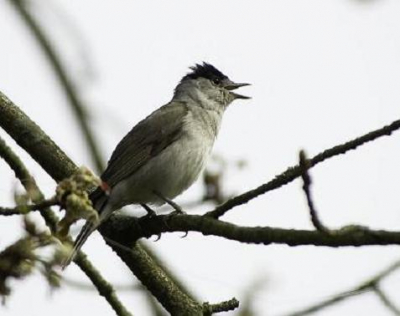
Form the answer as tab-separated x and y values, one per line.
72	195
22	258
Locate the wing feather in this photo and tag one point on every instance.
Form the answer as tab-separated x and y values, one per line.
146	140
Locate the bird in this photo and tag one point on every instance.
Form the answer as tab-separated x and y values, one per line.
165	153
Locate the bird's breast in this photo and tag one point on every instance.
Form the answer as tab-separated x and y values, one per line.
175	168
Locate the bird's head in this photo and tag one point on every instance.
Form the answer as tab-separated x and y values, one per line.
209	87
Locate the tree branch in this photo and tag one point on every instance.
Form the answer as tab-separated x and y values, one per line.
304	166
104	288
31	137
54	161
294	172
226	306
386	300
24	209
171	297
132	229
72	95
27	181
364	287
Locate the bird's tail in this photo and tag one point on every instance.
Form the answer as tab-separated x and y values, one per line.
99	200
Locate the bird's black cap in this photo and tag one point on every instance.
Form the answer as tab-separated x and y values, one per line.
205	70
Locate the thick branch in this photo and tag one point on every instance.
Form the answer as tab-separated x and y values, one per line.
37	196
132	229
294	172
32	138
174	300
59	166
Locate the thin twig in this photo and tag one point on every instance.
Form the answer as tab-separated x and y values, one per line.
104	288
209	309
156	308
304	166
386	300
364	287
86	286
251	295
61	72
294	172
24	209
27	181
327	303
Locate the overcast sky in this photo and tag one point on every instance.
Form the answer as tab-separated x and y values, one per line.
322	73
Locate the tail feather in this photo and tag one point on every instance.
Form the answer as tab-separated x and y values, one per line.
99	201
84	234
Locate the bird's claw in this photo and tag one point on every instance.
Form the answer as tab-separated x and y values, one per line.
176	207
178	211
150	212
158	237
150	215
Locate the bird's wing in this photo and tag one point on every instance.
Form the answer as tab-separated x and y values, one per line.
146	140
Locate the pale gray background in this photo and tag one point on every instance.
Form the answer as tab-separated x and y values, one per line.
323	72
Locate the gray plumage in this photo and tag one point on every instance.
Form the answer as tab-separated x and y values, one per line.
164	153
145	141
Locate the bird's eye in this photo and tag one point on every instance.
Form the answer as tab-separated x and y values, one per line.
216	81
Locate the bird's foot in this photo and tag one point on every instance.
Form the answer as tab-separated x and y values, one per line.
150	212
176	207
177	211
158	237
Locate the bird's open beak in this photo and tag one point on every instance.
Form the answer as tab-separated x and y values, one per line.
232	86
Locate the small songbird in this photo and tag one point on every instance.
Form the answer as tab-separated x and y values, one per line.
164	153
